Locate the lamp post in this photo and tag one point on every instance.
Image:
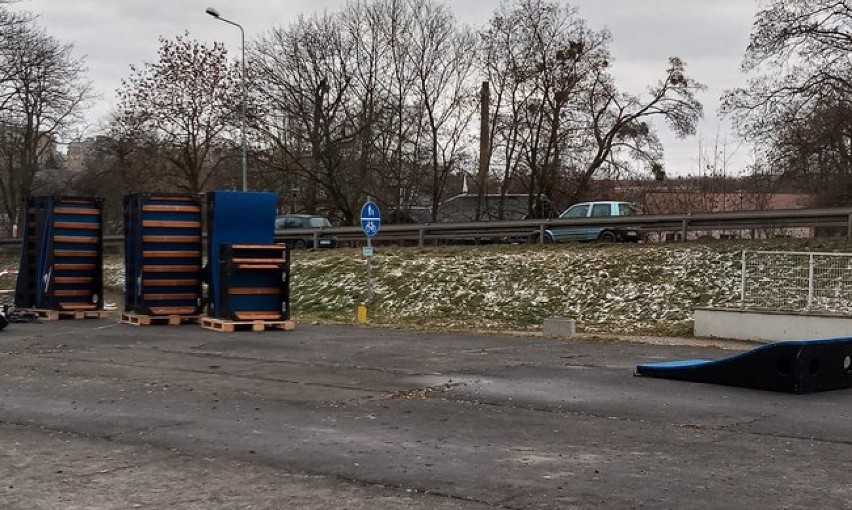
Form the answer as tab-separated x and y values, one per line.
213	12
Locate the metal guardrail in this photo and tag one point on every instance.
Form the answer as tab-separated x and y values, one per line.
683	223
491	230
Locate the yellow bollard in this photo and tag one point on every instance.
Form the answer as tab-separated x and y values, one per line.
361	314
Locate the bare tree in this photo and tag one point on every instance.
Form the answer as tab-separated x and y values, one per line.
797	103
371	100
304	80
187	102
558	114
42	92
443	58
537	54
620	122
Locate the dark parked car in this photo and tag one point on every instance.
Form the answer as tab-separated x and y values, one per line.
305	221
600	231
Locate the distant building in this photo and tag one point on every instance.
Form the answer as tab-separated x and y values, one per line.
685	202
78	152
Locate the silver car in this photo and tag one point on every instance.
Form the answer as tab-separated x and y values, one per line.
598	231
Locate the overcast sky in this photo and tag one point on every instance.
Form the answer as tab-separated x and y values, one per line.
710	36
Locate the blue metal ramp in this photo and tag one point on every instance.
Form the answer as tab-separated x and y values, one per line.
162	254
235	218
800	366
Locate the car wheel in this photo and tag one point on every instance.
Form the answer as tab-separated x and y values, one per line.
548	239
607	236
300	244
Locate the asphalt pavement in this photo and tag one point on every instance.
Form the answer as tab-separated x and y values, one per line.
100	415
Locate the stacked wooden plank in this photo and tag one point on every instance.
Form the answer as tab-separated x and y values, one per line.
254	283
163	266
61	268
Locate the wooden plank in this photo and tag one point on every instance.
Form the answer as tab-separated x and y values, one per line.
81	313
76	210
170	224
148	320
254	291
171	239
227	326
258	246
175	310
258	261
75	253
77	239
77	306
72	293
257	266
74	267
171	268
168	254
170	283
171	208
77	225
174	199
258	316
169	297
72	279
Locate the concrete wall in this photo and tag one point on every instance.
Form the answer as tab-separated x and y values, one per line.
768	326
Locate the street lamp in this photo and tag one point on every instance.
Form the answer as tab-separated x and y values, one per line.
213	12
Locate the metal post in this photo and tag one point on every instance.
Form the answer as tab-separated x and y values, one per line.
810	281
243	109
743	281
213	12
849	228
684	229
421	236
369	274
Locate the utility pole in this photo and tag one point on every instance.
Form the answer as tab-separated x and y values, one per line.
484	146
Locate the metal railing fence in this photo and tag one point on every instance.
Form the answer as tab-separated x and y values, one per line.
797	281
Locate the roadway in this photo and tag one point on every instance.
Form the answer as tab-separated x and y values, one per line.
99	415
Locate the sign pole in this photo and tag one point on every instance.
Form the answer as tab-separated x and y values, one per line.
371	222
369	272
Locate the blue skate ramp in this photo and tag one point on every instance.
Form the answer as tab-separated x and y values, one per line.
800	366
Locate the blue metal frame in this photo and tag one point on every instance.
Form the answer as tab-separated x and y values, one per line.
235	217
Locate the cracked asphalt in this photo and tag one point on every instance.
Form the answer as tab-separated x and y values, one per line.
98	415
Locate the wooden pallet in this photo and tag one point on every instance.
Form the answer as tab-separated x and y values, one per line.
229	326
55	315
149	320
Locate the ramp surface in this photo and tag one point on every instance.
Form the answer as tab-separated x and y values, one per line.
800	366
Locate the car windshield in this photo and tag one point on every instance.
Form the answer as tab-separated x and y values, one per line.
318	222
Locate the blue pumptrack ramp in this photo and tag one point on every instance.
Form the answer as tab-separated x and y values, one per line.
800	366
162	254
235	217
61	265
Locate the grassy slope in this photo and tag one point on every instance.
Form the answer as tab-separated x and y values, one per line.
605	288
